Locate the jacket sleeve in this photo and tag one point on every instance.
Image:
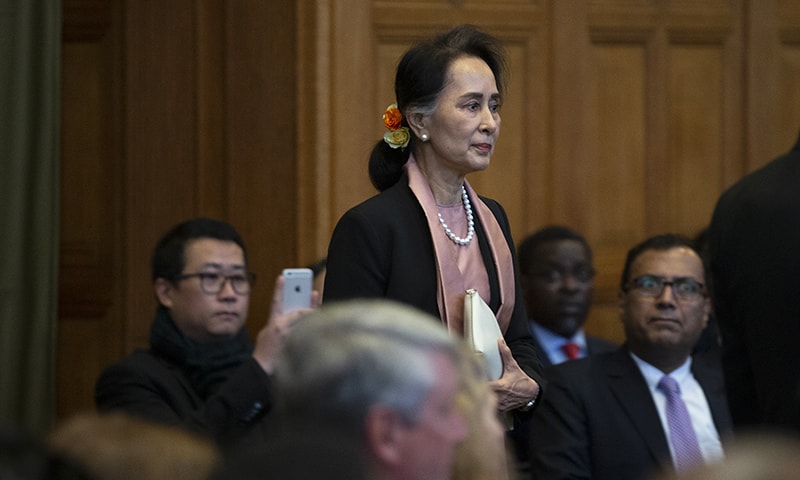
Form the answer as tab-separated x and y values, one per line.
559	440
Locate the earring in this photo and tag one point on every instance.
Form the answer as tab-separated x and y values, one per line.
424	137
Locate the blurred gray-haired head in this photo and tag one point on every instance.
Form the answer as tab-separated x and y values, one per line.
344	358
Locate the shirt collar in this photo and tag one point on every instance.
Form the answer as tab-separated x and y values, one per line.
551	342
652	375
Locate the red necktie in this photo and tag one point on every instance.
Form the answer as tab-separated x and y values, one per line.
572	350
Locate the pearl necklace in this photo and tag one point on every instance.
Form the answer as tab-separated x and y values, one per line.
470	222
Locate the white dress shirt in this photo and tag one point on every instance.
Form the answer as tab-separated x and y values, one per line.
696	402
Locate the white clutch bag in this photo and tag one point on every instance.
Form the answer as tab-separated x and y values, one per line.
482	332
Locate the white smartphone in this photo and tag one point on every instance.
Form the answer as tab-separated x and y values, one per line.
297	288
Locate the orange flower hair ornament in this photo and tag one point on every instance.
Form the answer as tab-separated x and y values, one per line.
397	136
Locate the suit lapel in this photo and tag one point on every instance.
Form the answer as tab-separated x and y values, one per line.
631	392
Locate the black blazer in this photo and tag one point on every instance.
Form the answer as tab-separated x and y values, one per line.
754	244
383	248
598	420
149	386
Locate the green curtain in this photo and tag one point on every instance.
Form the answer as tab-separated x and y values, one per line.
30	67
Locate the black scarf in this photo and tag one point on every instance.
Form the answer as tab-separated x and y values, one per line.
207	365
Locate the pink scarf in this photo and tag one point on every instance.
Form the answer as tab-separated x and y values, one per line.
451	289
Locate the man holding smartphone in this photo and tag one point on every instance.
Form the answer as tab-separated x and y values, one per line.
201	371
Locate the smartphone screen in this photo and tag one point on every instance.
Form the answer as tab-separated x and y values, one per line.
296	288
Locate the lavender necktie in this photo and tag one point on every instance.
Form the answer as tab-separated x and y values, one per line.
684	440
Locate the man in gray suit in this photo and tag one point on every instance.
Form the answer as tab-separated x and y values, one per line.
609	416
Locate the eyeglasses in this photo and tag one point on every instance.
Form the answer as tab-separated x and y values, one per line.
683	288
213	283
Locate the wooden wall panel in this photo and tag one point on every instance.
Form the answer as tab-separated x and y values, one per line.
260	139
160	146
88	337
313	127
772	109
211	106
788	118
609	204
354	110
646	122
86	251
695	127
610	172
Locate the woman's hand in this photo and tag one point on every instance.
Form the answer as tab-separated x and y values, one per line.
271	338
514	388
